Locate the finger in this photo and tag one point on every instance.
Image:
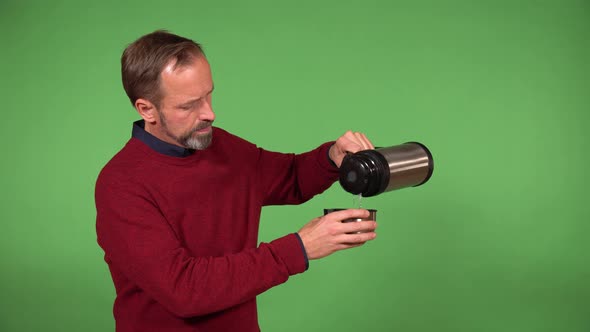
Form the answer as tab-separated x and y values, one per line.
348	143
356	238
347	214
353	136
366	142
361	141
348	246
349	135
352	147
359	226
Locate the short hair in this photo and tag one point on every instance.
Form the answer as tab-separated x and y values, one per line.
144	60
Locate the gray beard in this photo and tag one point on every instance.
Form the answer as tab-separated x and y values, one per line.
200	142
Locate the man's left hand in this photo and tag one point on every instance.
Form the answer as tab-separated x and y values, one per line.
350	142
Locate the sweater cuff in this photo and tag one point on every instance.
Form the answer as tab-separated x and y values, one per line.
324	157
330	159
304	251
288	248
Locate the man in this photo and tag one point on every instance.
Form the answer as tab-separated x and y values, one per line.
178	207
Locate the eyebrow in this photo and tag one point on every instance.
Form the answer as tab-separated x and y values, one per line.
192	101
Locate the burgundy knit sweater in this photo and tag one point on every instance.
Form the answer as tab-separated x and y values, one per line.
180	234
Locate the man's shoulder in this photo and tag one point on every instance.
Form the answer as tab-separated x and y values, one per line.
124	164
224	135
229	140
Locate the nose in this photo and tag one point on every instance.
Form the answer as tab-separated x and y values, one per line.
207	113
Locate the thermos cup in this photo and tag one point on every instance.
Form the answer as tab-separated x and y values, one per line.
372	172
372	216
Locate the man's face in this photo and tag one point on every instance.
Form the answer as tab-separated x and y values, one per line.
185	112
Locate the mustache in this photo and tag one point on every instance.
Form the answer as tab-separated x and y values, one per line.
187	135
202	125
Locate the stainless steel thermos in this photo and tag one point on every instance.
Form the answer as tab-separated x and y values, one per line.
372	172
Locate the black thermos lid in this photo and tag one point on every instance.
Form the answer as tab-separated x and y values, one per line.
365	172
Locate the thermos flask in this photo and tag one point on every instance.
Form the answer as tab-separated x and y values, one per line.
372	172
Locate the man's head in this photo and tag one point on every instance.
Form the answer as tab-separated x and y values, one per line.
168	80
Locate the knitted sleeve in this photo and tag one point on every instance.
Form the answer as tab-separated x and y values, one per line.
295	178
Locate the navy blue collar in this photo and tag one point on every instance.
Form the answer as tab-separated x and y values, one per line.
157	144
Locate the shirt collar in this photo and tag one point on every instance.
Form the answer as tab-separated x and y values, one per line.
157	144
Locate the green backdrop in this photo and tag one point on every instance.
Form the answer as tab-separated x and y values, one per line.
498	240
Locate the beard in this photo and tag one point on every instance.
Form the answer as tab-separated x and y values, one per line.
199	141
188	139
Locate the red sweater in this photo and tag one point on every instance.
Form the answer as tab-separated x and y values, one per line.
180	234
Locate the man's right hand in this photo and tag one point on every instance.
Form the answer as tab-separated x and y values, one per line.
325	235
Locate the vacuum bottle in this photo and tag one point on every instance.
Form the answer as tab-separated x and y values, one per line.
372	172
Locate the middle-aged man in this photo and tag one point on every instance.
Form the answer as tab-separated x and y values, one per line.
178	207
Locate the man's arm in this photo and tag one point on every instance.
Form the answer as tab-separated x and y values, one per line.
139	242
294	179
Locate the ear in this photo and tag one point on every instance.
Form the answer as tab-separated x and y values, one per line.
146	110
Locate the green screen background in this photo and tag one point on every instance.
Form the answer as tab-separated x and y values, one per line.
497	240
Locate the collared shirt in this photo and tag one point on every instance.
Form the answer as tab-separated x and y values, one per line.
157	144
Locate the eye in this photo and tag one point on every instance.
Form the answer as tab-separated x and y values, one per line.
191	105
